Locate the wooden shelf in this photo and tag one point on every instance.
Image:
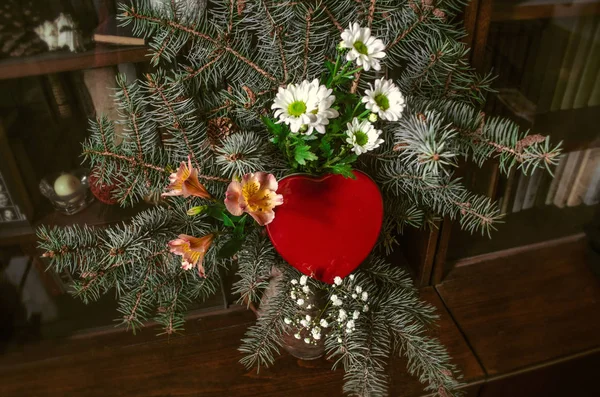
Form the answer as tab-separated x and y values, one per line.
512	10
577	128
96	214
522	228
201	361
527	309
62	61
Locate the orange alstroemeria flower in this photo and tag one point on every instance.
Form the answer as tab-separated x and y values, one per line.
185	182
256	195
192	250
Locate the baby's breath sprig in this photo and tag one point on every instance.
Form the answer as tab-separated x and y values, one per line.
306	323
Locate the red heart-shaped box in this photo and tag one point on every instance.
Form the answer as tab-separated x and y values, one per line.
326	226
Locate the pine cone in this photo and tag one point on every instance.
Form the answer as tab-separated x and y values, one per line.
219	128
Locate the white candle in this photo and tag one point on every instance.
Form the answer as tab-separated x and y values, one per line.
66	184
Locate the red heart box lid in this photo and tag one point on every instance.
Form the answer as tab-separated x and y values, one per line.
327	226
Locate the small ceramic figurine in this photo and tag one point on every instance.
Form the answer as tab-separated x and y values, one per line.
60	33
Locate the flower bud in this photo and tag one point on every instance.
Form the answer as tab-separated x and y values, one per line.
196	210
372	117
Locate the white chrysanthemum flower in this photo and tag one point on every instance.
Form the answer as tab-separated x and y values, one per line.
385	99
323	111
337	280
363	136
365	49
306	106
303	280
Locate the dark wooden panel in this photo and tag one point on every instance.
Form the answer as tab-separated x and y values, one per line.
512	10
202	362
528	308
574	377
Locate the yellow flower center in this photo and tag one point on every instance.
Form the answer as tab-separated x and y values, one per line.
382	101
256	199
361	47
297	108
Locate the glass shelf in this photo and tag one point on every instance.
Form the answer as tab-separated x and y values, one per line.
547	58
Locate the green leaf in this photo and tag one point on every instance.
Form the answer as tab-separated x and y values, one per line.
325	147
231	247
272	126
239	229
343	169
216	211
227	220
302	154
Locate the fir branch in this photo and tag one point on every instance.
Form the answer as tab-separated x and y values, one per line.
132	14
261	341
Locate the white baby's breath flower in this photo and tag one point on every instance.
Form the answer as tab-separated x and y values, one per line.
365	308
385	99
293	295
354	296
363	136
351	276
297	336
303	280
349	330
334	297
342	315
337	302
324	323
339	340
305	289
337	280
350	324
294	281
308	318
356	314
358	289
364	296
309	306
307	340
287	320
365	49
316	336
300	302
303	322
305	106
